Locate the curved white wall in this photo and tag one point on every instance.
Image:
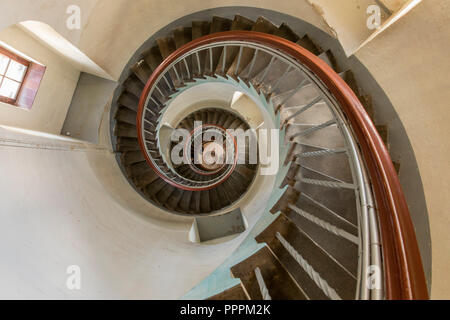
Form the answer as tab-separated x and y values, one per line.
111	32
55	213
410	62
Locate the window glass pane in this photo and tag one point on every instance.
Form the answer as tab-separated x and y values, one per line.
16	71
3	63
9	88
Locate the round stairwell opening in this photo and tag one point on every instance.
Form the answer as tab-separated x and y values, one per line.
226	177
205	150
207	155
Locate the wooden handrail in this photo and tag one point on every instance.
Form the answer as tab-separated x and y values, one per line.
404	274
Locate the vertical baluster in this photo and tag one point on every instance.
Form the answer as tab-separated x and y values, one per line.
239	60
262	285
198	63
187	68
224	58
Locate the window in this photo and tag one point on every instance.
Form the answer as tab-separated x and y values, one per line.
12	73
19	79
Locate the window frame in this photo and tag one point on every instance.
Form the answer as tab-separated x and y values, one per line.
30	83
19	59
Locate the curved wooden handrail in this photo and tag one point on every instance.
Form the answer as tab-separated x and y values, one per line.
404	274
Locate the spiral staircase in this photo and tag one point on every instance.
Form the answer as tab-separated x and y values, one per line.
337	212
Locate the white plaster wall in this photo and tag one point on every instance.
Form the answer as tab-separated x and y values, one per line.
112	30
56	90
410	62
55	213
125	26
61	46
348	19
52	12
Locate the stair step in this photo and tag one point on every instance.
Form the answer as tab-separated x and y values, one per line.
229	120
264	25
166	46
200	29
331	162
294	149
134	86
128	100
383	130
185	201
272	76
341	201
311	129
235	124
153	188
290	195
137	169
142	71
236	183
309	45
261	25
164	194
129	144
153	58
349	78
196	202
125	130
322	264
299	96
174	199
239	23
214	199
126	115
132	157
219	24
313	176
328	58
291	176
340	244
366	101
245	172
326	135
230	53
272	273
182	36
205	204
230	191
223	196
143	180
397	167
284	31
